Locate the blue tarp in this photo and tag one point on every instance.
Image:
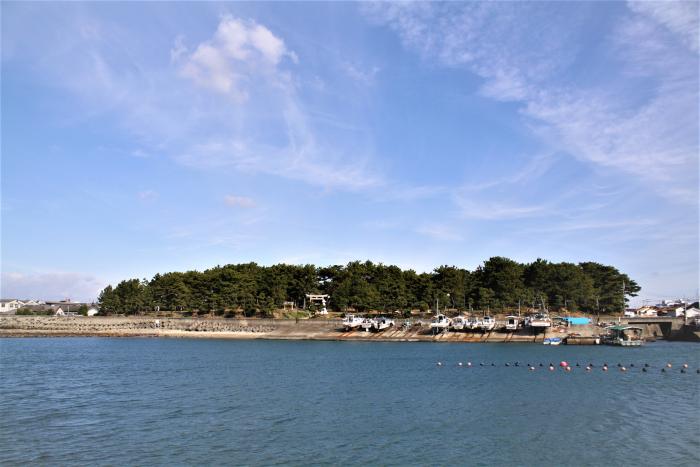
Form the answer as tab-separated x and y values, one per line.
579	321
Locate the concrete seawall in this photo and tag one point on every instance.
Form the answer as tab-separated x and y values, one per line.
48	326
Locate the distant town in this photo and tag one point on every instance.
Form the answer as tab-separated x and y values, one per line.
13	306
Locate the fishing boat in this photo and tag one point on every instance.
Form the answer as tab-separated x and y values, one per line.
351	322
474	323
512	323
625	336
382	323
367	324
458	323
552	341
540	321
488	323
440	323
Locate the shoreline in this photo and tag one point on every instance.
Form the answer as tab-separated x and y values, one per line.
282	329
251	329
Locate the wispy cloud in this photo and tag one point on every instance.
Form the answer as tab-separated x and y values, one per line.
654	139
239	201
148	195
439	232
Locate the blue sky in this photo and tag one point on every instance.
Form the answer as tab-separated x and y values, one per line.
149	137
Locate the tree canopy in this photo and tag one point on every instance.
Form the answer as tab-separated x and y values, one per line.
500	283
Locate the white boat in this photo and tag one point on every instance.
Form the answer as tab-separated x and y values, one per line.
540	321
458	323
351	322
552	341
382	323
625	336
367	324
440	323
488	323
474	323
512	323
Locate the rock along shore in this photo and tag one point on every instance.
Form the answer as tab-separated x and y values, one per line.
50	326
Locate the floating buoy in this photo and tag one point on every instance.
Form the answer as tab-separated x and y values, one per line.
439	363
605	368
631	365
668	365
567	368
551	367
532	368
685	365
469	363
588	368
459	364
622	368
644	370
563	364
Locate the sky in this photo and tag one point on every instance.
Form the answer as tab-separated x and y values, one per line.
140	138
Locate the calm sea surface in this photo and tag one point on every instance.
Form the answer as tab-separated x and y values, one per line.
111	401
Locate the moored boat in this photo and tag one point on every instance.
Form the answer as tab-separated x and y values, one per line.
625	336
440	323
512	323
552	341
488	323
458	323
540	321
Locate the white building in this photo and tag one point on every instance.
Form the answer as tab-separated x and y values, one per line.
92	311
10	305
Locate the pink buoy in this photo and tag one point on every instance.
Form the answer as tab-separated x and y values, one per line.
563	364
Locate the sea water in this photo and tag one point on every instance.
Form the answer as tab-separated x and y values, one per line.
119	401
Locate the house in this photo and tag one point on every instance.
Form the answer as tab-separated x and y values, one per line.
692	313
10	305
648	311
33	302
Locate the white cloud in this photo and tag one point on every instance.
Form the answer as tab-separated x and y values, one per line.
239	201
51	286
239	52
